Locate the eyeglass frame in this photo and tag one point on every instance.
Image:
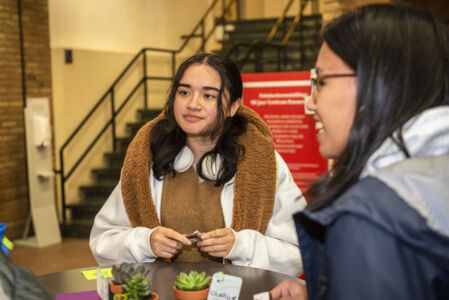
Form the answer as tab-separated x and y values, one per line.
314	77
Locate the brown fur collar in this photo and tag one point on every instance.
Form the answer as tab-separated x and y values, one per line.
254	183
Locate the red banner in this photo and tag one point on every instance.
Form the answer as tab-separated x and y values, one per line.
279	99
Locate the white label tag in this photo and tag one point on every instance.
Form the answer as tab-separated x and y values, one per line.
262	296
224	287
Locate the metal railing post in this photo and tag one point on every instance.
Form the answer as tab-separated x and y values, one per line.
114	137
278	59
203	37
61	162
173	64
145	88
284	50
223	16
257	59
237	9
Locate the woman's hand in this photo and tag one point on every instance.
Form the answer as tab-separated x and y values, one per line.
289	290
166	242
218	242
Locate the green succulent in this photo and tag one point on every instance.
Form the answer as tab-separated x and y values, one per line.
137	288
193	281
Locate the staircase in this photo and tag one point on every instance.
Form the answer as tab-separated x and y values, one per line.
105	179
299	53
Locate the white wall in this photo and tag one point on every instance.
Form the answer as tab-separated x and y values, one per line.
122	25
273	9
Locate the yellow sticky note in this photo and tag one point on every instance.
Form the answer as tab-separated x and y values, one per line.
7	243
107	272
92	274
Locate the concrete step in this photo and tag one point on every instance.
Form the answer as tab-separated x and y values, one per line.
108	175
97	190
148	114
114	159
86	209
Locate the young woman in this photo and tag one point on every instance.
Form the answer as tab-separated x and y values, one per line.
207	163
377	225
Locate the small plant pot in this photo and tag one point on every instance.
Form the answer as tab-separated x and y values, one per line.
116	289
154	296
191	295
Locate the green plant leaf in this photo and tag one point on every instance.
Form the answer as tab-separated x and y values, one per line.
179	278
192	282
193	275
184	275
201	276
205	281
137	287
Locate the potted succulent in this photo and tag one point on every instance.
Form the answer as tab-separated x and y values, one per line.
129	284
192	286
137	288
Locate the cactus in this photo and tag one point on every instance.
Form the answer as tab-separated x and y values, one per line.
193	281
137	288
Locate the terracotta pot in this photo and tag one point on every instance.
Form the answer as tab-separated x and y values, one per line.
114	289
117	289
191	295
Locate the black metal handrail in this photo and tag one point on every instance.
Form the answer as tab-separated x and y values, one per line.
296	20
142	82
201	25
225	10
258	47
279	22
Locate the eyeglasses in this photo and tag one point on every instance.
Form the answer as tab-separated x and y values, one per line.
315	78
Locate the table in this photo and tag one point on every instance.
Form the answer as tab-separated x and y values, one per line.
162	277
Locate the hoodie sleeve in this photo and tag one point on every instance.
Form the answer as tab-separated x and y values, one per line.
113	240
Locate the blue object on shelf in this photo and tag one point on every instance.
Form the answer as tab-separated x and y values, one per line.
5	243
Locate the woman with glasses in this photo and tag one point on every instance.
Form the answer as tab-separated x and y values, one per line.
377	225
206	164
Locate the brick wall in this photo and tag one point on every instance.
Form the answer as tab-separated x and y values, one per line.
13	182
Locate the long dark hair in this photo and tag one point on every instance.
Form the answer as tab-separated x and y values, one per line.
401	57
168	139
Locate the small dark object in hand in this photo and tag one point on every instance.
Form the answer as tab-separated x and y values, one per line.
195	236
